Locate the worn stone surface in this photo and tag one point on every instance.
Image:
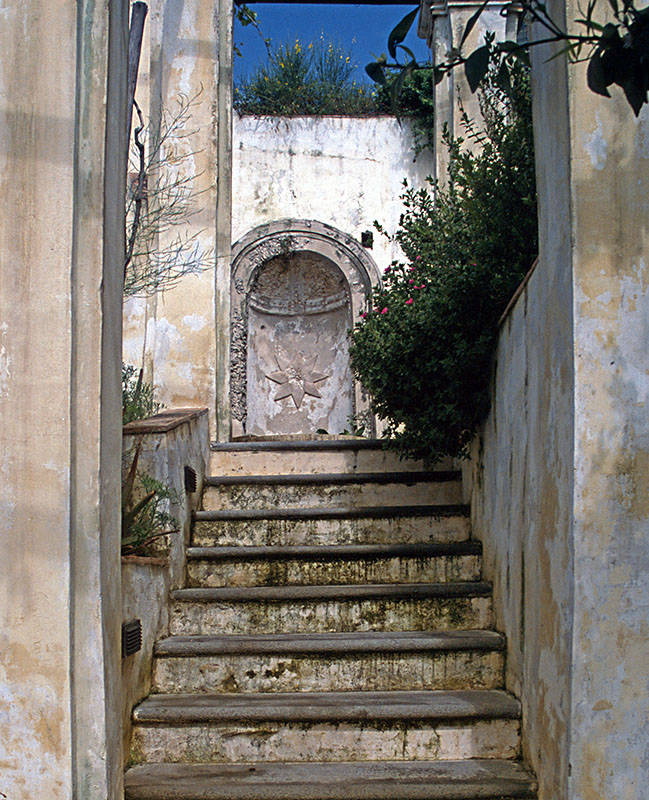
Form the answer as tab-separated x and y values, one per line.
331	615
391	780
177	329
336	531
180	439
297	287
334	494
323	672
261	461
401	569
452	706
363	741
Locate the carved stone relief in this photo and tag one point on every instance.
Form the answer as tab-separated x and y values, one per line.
298	374
297	287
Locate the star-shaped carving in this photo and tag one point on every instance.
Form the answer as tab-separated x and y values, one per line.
296	377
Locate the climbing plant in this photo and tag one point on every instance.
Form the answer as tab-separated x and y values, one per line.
424	348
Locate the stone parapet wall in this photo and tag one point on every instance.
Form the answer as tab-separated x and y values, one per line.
170	441
559	472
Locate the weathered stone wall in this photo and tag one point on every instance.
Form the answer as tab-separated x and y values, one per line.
180	59
62	171
169	442
560	470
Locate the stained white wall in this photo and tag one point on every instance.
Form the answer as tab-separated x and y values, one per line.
345	171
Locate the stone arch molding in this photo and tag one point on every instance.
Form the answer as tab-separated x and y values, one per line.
317	243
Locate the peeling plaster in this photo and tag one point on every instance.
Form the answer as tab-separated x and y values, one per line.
596	145
5	362
195	322
164	336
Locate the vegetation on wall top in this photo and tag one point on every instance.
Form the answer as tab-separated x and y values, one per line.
305	78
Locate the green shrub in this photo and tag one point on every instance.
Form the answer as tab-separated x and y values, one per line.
424	351
415	102
137	396
305	79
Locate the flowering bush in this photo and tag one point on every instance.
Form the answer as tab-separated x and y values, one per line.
424	349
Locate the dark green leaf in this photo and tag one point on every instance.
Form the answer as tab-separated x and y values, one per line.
523	56
502	77
409	52
472	21
400	31
476	65
376	72
596	75
395	90
635	93
610	33
508	46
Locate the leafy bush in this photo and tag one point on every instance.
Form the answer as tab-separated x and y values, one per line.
305	79
424	350
137	396
415	101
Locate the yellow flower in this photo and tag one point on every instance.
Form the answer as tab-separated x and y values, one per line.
347	60
310	45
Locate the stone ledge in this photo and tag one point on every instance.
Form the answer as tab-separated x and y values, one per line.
150	561
163	422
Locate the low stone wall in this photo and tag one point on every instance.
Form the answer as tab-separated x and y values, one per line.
519	484
170	441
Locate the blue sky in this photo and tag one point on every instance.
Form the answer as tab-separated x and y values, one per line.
363	30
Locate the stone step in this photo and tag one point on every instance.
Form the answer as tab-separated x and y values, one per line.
326	726
477	779
337	564
352	491
331	526
323	662
320	455
321	609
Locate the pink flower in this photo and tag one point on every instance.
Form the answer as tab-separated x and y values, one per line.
386	270
384	311
409	301
418	258
364	314
412	280
412	269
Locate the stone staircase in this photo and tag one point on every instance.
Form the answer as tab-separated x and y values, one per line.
333	640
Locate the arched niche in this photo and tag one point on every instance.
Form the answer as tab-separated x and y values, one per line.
297	288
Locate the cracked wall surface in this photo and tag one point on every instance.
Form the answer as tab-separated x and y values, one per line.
560	471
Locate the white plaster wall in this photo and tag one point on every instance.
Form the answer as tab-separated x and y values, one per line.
560	471
344	171
62	176
146	582
521	503
173	332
